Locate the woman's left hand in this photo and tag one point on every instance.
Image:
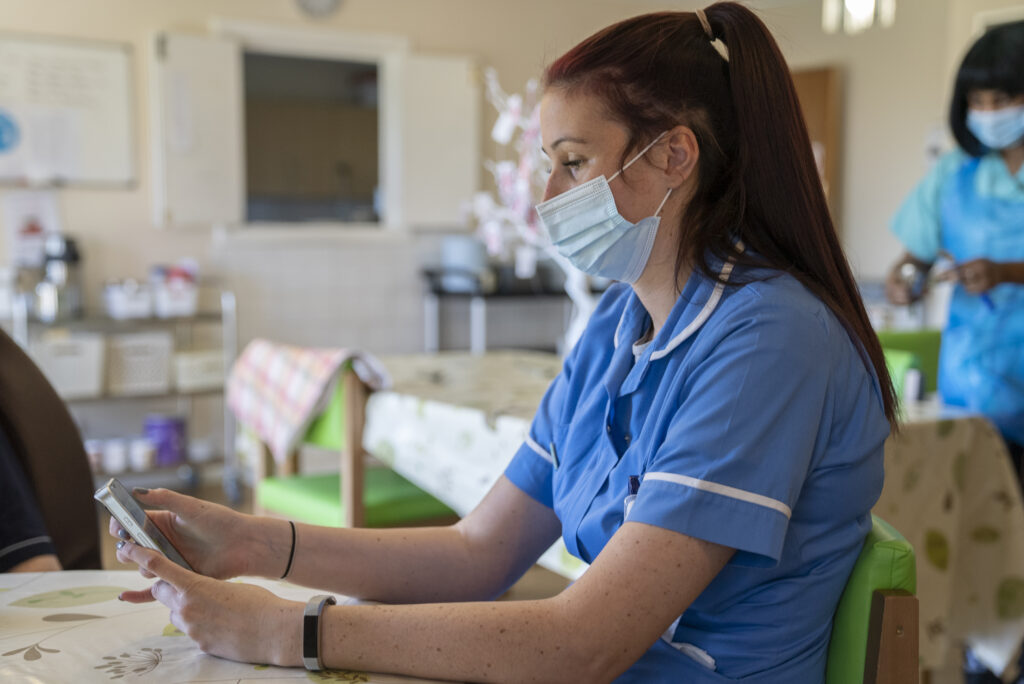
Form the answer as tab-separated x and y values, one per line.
979	275
237	621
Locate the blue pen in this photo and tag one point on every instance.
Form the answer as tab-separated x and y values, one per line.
627	503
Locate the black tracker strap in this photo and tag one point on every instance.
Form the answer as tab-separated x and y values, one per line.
311	631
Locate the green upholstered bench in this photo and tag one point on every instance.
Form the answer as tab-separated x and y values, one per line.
922	343
905	371
356	496
875	628
389	500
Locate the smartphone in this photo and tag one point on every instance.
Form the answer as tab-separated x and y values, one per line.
127	511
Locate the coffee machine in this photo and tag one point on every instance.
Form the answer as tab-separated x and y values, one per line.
58	296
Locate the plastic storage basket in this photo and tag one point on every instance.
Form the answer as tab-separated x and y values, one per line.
139	363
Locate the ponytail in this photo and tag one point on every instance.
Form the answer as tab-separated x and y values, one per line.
787	218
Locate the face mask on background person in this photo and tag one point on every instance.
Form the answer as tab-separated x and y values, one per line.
587	229
997	129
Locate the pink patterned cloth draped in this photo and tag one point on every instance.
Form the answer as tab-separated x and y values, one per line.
277	390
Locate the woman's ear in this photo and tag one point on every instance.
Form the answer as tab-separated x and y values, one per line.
679	154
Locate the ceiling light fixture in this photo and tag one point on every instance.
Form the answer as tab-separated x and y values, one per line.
854	16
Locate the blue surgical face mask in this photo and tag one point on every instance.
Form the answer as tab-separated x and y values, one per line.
997	129
587	229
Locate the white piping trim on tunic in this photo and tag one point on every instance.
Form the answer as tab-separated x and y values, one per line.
22	544
695	324
539	450
724	490
701	318
622	318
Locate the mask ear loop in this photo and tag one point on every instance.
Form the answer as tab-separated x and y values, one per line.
640	154
660	206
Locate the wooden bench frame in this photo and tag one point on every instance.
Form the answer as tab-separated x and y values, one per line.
352	456
893	639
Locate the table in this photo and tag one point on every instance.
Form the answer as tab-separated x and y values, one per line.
951	490
453	421
70	627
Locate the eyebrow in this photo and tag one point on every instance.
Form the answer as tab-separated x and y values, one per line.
558	142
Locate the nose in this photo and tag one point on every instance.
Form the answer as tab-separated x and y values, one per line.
552	188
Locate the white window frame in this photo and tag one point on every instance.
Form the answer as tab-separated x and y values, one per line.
389	53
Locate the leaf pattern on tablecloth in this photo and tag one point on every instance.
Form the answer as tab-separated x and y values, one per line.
936	549
141	662
384	451
985	534
960	471
1010	598
172	631
945	427
912	476
33	652
337	676
68	598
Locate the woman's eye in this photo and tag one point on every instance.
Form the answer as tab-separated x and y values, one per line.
573	165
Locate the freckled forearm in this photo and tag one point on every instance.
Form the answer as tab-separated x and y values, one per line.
516	641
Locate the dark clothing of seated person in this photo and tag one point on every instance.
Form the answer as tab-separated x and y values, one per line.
25	545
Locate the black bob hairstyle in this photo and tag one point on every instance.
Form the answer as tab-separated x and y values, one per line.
996	62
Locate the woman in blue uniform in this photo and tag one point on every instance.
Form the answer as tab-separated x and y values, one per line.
971	207
712	447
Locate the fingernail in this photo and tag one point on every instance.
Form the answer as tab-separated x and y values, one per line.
140	490
119	598
122	534
120	545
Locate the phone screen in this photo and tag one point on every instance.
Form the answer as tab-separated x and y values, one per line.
127	511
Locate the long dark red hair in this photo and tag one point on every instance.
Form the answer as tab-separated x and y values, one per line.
756	177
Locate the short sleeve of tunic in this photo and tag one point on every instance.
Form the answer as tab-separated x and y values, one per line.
532	467
740	443
918	224
22	532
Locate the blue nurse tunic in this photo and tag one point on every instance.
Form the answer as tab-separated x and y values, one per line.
973	208
752	421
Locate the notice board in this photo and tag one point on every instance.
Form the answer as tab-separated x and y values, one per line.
65	112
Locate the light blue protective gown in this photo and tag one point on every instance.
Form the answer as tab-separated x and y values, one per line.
973	208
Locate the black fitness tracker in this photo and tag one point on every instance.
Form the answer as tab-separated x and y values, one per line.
311	631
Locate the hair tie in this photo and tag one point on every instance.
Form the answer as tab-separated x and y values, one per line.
705	23
720	47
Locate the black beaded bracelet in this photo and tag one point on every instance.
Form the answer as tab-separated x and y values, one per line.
291	554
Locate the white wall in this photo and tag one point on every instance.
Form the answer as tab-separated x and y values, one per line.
328	289
321	288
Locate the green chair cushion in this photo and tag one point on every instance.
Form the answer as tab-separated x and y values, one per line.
388	499
899	363
885	562
924	343
328	429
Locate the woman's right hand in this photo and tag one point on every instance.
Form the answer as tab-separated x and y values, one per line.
215	540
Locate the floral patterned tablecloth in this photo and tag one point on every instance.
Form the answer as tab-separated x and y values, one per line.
951	490
70	627
453	421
